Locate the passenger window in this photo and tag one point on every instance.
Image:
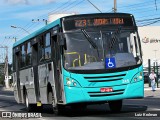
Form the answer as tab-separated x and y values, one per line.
28	53
48	39
47	46
23	56
41	49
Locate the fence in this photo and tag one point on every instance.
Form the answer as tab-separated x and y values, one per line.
147	71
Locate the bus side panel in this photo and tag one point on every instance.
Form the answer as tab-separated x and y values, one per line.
27	80
43	78
51	79
15	87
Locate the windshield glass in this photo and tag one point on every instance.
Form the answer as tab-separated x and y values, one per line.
89	50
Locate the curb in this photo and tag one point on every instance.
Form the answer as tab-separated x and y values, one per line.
145	89
7	89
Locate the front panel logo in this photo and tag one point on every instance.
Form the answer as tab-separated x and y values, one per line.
145	40
150	40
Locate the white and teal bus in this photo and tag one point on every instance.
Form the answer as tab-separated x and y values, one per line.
79	60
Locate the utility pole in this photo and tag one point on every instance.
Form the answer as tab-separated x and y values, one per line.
6	68
38	20
115	6
14	38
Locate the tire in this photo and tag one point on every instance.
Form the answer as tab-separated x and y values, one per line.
115	106
29	107
57	109
50	98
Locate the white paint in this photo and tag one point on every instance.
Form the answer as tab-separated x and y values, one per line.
150	32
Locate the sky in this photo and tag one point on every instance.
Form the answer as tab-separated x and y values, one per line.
20	13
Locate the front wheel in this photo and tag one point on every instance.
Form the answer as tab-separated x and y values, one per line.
115	106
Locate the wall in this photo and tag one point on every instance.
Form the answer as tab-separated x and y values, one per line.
150	41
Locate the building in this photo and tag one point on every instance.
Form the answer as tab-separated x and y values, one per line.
53	17
150	41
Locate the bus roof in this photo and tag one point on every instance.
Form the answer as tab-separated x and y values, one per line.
36	33
96	14
57	22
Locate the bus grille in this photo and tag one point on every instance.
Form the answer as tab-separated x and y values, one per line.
100	94
105	78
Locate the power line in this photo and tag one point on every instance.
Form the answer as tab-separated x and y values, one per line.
74	5
94	6
150	23
137	4
55	10
147	19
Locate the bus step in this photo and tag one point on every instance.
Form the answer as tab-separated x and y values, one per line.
60	101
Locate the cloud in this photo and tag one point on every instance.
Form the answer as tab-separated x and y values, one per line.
49	1
16	1
26	2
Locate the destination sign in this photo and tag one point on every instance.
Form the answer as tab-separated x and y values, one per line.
76	23
98	22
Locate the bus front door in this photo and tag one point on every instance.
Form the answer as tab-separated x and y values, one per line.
57	71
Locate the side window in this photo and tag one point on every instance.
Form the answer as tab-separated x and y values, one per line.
41	49
47	46
28	53
23	56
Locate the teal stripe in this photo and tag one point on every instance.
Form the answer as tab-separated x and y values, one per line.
36	33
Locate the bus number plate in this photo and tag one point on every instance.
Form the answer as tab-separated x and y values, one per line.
106	90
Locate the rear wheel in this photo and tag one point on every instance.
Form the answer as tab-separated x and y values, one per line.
115	106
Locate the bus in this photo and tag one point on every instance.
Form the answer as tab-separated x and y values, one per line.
79	60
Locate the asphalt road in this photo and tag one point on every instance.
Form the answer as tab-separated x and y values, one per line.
132	109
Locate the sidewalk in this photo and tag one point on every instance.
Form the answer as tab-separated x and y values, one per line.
7	89
146	87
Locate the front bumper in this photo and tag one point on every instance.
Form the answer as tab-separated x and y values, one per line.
82	95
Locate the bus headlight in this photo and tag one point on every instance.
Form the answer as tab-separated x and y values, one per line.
135	79
138	77
71	82
75	84
68	82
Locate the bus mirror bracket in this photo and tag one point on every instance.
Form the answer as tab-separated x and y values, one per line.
62	41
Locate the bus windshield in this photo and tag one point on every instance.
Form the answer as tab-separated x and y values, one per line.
88	49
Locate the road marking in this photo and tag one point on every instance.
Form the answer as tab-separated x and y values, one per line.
42	119
154	109
5	96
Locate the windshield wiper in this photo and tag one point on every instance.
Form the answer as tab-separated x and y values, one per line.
89	39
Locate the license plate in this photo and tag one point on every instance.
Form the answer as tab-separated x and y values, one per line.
106	90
